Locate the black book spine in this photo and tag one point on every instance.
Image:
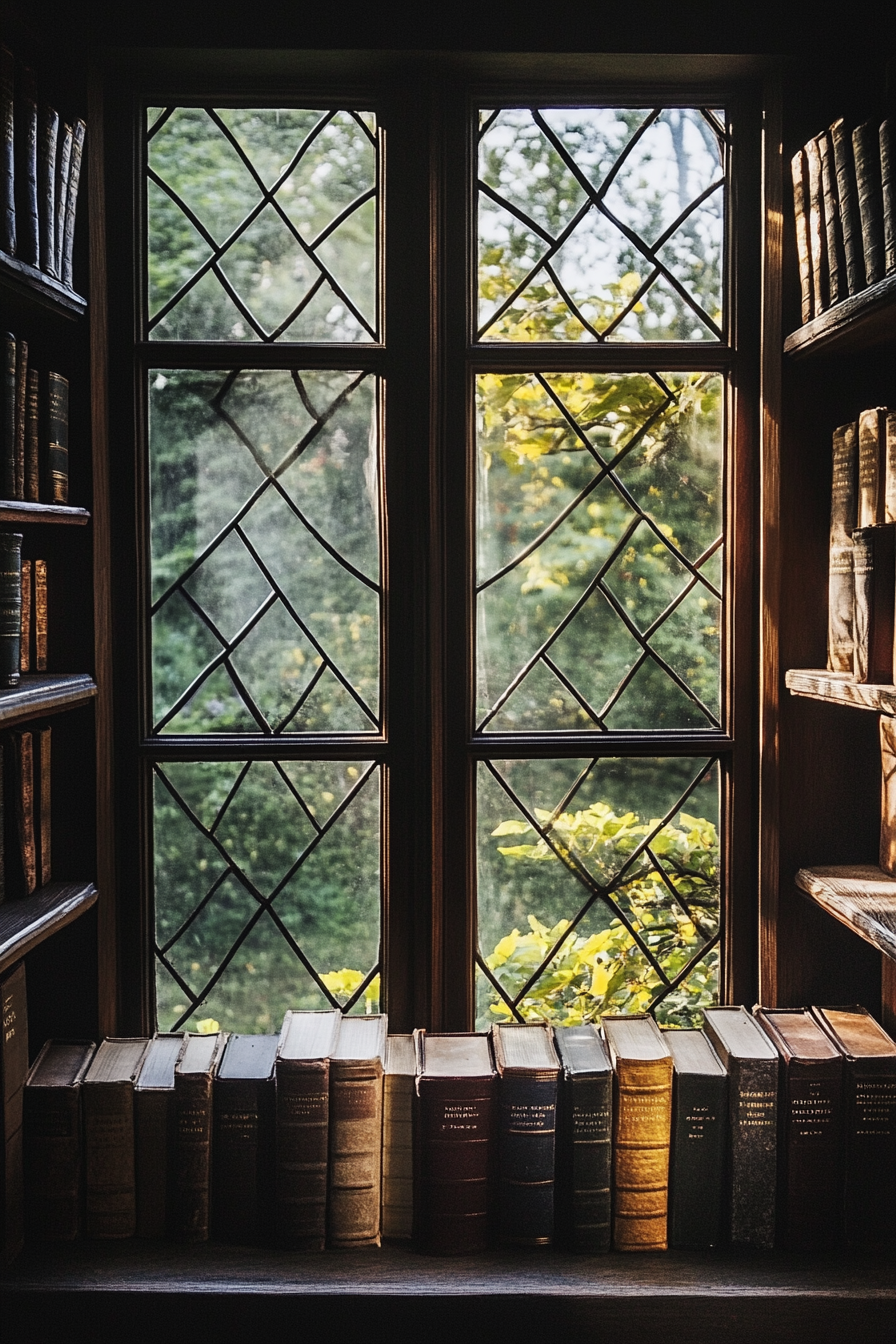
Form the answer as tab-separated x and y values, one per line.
8	414
53	1160
526	1144
869	1195
46	187
28	228
888	192
584	1162
71	201
32	437
57	439
753	1101
849	207
10	608
7	152
866	148
697	1159
21	397
812	1166
63	163
243	1147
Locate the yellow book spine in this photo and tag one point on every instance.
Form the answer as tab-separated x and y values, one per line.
643	1123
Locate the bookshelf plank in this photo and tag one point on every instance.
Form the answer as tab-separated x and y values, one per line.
24	511
837	689
44	693
18	278
856	323
27	922
861	896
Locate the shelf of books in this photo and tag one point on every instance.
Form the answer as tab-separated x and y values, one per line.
858	322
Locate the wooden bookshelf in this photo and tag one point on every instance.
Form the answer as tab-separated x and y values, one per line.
856	323
25	281
23	511
42	693
862	896
837	688
25	923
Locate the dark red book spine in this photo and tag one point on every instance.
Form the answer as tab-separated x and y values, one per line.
455	1145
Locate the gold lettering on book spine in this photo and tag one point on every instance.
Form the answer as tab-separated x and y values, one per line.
40	615
641	1154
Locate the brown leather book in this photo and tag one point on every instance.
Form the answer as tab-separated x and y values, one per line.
191	1174
13	1071
887	858
398	1137
455	1143
874	626
837	288
23	756
43	738
303	1109
25	647
154	1132
243	1142
800	178
32	437
107	1095
817	230
40	615
21	398
810	1171
872	467
356	1132
642	1124
841	583
528	1082
866	151
869	1112
54	1191
848	207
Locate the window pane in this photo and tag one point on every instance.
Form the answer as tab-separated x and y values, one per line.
598	889
265	551
262	224
601	224
267	890
599	535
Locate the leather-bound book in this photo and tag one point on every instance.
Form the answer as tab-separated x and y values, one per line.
25	645
23	759
63	165
528	1083
871	508
398	1137
48	131
107	1096
866	151
584	1140
8	418
455	1136
21	398
243	1140
10	608
27	226
887	856
32	437
56	470
154	1132
799	173
71	201
642	1125
848	203
7	152
698	1150
752	1064
869	1114
818	248
40	615
43	739
356	1132
54	1192
810	1171
13	1071
874	570
191	1173
302	1071
841	584
888	192
833	235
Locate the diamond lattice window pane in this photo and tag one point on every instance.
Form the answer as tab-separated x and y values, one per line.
262	223
265	551
599	529
601	224
598	888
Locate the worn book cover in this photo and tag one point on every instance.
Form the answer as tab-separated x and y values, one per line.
40	615
8	417
887	857
32	437
27	603
866	151
888	192
528	1081
398	1137
46	186
848	203
7	152
23	759
699	1143
107	1095
27	228
13	1071
844	511
10	608
21	399
56	462
874	628
71	200
584	1140
54	1193
43	739
243	1140
63	164
833	236
302	1070
356	1132
799	174
871	507
818	249
191	1176
154	1133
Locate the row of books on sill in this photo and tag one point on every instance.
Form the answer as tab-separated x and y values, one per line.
33	428
776	1127
845	212
40	172
862	551
25	811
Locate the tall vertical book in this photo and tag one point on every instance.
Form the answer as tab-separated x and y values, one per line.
584	1135
13	1071
243	1142
154	1132
52	1134
356	1132
528	1081
193	1074
454	1142
302	1071
698	1147
641	1131
107	1094
874	627
398	1137
841	583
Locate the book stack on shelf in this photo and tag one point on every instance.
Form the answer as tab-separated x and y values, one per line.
763	1129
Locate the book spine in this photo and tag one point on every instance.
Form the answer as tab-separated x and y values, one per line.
874	558
46	187
7	152
841	592
25	646
801	219
21	397
642	1130
866	150
697	1160
871	469
24	752
28	239
192	1156
584	1168
355	1176
813	1132
243	1147
302	1142
32	437
526	1145
398	1155
10	607
40	615
53	1184
13	1070
833	238
817	230
57	439
63	163
454	1141
863	582
753	1101
888	193
44	826
71	202
110	1179
153	1138
849	208
869	1195
3	880
8	412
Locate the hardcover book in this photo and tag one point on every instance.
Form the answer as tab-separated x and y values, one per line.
27	228
356	1132
43	738
46	187
833	238
40	615
8	418
23	765
869	1112
887	856
21	397
801	219
7	152
32	437
874	569
56	469
243	1143
154	1132
872	467
584	1140
811	1129
848	204
841	584
13	1071
888	193
107	1095
866	151
71	200
641	1131
63	165
25	646
817	230
54	1192
303	1111
528	1081
398	1137
752	1064
193	1073
10	608
698	1148
455	1136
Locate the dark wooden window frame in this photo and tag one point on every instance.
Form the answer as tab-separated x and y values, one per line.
428	362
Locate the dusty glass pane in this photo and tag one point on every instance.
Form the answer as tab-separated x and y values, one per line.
264	524
601	224
262	223
252	862
599	524
598	886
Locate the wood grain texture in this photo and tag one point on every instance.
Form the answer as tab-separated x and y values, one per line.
20	278
26	923
857	322
838	688
39	695
22	511
862	896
